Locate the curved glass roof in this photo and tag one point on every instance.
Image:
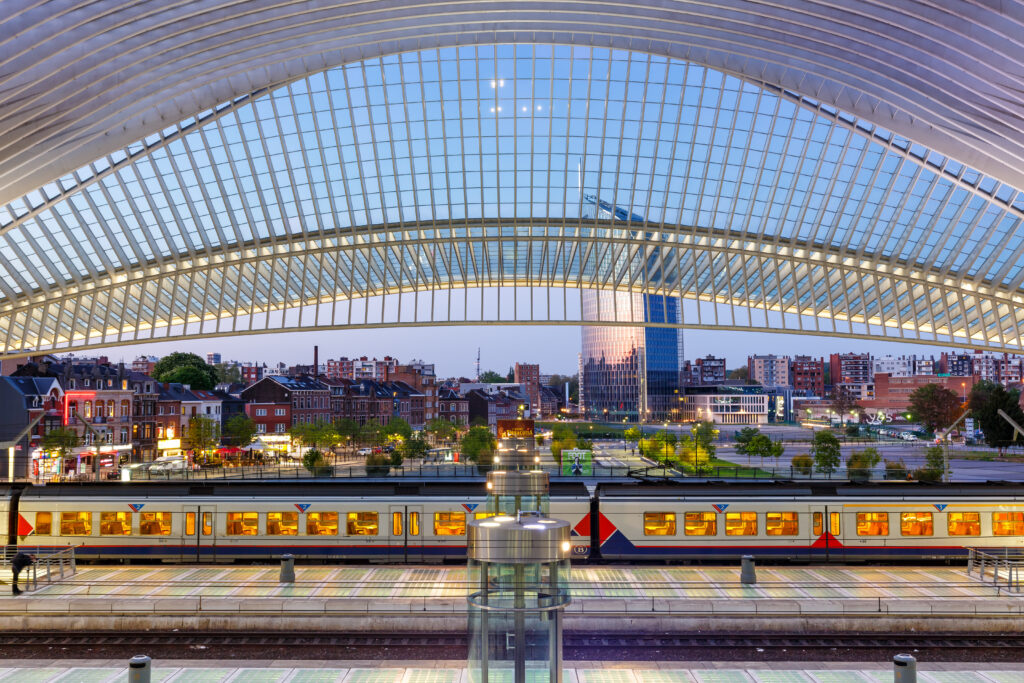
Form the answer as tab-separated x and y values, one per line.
514	142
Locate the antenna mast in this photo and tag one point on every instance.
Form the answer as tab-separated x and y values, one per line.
478	364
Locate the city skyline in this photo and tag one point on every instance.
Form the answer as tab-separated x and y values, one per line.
453	351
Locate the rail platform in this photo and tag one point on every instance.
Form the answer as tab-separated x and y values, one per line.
191	671
394	599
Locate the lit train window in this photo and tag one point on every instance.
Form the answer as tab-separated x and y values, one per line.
190	524
834	519
700	524
282	523
741	524
963	523
818	524
115	523
872	523
396	523
659	524
449	523
483	515
1008	523
240	523
75	523
781	524
208	523
916	524
362	524
157	524
414	524
44	520
321	523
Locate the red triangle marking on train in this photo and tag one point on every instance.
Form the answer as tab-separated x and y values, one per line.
832	541
24	528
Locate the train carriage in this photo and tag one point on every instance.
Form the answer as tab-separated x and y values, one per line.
805	523
176	522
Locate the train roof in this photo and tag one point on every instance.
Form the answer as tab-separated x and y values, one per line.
366	488
673	489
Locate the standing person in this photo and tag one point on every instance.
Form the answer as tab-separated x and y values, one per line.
20	561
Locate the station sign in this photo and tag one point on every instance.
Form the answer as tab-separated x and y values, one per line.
515	429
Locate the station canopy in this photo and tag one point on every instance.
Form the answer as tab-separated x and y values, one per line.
465	184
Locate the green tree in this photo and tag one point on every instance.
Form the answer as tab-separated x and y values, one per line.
934	466
705	434
165	368
412	448
370	433
691	454
895	470
240	429
228	373
987	398
491	377
860	463
742	373
314	461
661	446
441	430
743	439
934	406
825	450
843	403
348	430
316	435
478	446
397	427
763	447
378	464
563	437
194	377
802	464
631	434
60	441
201	434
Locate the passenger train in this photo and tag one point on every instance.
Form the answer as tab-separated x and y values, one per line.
426	521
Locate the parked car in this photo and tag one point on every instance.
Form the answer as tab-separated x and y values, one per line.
364	451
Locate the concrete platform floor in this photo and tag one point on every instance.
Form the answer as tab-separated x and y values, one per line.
186	671
689	582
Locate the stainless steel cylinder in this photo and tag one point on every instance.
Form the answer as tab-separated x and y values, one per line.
517	483
507	540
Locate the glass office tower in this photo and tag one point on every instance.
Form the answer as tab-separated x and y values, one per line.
629	373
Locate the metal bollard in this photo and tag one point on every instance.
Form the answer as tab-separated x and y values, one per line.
287	569
139	669
747	571
904	669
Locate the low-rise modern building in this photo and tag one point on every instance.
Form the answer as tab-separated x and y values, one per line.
724	405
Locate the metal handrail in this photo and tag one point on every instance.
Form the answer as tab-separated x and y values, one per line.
50	565
1006	565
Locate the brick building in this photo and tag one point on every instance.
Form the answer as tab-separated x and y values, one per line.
527	375
892	394
808	376
452	407
277	402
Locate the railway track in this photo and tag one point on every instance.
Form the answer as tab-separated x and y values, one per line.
583	645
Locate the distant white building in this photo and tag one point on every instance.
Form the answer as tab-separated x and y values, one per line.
895	366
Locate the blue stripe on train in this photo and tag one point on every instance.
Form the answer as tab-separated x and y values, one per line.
228	550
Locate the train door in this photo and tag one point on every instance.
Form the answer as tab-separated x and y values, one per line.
199	533
826	533
406	540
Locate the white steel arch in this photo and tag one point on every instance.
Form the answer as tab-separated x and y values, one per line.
443	186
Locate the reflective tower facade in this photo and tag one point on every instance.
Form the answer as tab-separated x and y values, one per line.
629	373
